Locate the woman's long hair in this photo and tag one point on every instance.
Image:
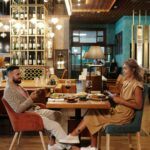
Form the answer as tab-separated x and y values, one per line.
135	68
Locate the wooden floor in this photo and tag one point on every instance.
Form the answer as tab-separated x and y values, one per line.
117	142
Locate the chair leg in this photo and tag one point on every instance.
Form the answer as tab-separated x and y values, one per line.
130	141
13	141
20	133
98	141
138	140
42	140
107	141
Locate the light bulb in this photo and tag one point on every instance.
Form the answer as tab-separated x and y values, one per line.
54	20
58	27
3	35
1	24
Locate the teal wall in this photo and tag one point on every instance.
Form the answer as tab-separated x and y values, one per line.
124	24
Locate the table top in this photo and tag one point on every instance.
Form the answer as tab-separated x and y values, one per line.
80	104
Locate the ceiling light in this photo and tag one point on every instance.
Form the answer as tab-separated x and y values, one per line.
6	1
58	27
3	35
54	20
78	4
6	27
52	34
79	0
1	24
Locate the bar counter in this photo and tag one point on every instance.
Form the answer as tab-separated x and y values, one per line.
31	85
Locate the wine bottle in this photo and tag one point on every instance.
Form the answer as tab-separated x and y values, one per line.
34	60
39	60
17	15
25	44
30	30
34	44
22	43
17	44
30	60
30	44
34	31
16	60
42	44
21	15
25	60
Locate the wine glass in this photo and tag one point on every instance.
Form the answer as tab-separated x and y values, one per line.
89	86
68	85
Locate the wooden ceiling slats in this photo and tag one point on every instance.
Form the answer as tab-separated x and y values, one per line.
125	7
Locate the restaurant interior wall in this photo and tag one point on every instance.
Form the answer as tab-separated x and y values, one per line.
124	24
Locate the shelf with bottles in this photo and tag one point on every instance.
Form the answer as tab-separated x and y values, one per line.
24	2
27	58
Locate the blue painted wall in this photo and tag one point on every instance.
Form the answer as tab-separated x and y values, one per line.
124	24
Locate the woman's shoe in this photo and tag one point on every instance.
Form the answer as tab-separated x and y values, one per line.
70	140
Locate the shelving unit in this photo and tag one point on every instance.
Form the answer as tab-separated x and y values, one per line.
28	32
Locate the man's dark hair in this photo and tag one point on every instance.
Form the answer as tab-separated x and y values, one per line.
11	68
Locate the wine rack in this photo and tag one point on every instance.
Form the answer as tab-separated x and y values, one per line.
28	29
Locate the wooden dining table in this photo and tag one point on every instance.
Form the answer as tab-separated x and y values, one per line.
89	104
78	106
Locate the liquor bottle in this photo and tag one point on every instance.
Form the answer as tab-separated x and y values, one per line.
38	44
38	60
34	44
21	15
16	60
43	62
34	31
17	44
22	43
17	15
25	60
25	15
42	44
34	60
25	44
13	60
13	44
30	44
30	30
30	60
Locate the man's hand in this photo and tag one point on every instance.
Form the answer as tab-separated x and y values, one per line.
117	100
33	95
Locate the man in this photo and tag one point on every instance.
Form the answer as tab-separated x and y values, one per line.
21	101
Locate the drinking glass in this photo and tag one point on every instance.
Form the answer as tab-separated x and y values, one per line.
89	86
68	85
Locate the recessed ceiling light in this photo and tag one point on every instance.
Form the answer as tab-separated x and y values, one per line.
78	4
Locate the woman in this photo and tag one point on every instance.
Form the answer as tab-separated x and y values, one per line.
130	99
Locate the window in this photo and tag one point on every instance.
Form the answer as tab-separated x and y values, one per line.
85	36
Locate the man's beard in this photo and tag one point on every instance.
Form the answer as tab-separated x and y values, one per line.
17	81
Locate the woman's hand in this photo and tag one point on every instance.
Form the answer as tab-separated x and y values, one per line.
117	99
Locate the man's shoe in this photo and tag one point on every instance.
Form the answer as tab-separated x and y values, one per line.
70	140
88	148
55	147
